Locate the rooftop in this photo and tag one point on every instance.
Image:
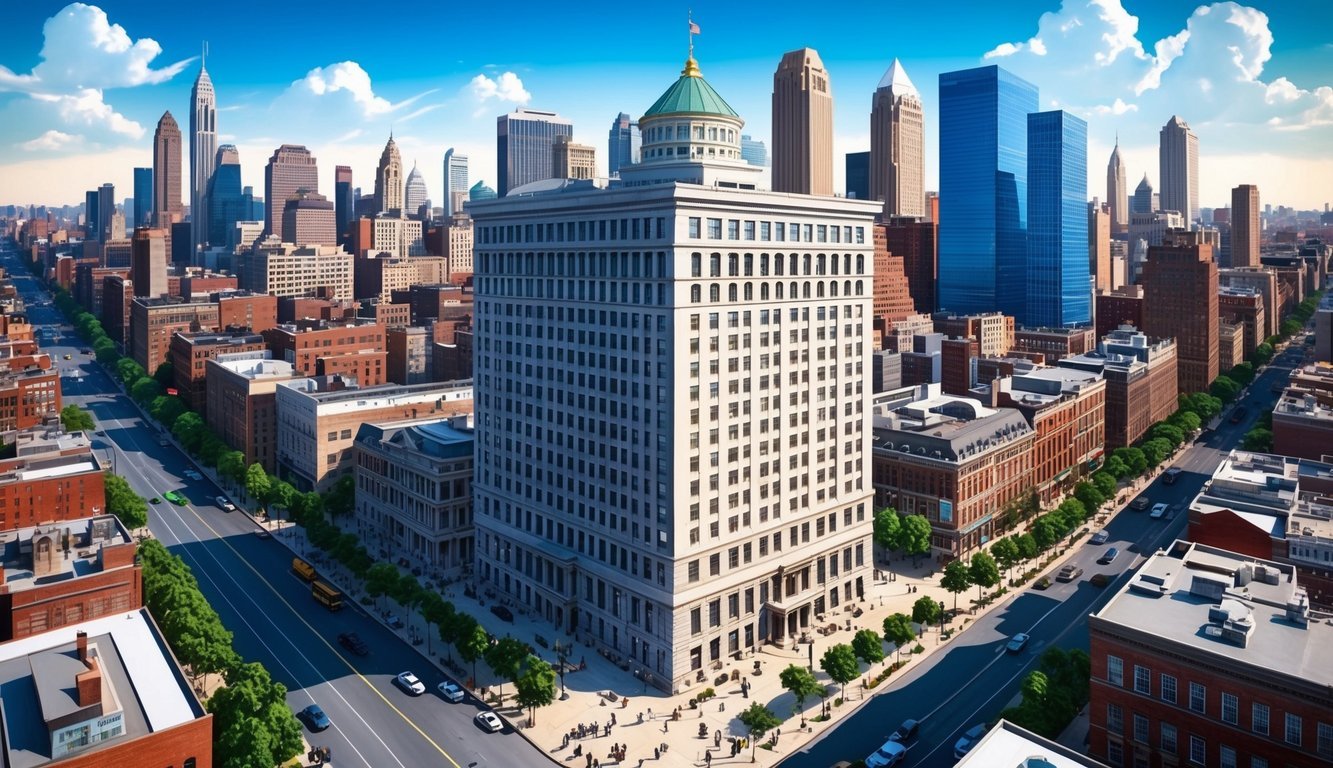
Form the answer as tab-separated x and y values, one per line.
1008	746
318	389
1299	403
692	95
86	539
948	428
1226	609
446	438
1040	386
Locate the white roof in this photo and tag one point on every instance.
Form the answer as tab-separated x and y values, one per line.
896	77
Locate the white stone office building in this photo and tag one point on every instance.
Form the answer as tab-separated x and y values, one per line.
672	417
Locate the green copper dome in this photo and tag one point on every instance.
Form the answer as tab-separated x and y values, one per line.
691	94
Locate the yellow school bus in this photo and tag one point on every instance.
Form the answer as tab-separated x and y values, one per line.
326	596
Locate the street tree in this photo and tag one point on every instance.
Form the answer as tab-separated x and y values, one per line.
898	630
75	419
257	484
504	658
758	720
1087	493
839	663
1027	546
1186	421
1105	483
983	572
381	580
914	536
926	611
472	643
868	646
145	390
886	528
1169	432
231	465
534	685
1046	531
1258	440
801	683
1006	554
956	579
121	501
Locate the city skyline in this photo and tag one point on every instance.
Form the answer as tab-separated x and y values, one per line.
84	113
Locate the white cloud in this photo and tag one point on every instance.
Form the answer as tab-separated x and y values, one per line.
1118	107
349	77
50	140
506	87
1037	47
1167	50
87	108
1003	49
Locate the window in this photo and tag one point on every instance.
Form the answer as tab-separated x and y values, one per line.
1230	706
696	621
1226	757
694	571
715	229
694	227
1168	738
1293	729
1258	762
1259	718
1115	671
1168	692
1198	694
1140	728
1142	680
1324	740
1115	718
1198	750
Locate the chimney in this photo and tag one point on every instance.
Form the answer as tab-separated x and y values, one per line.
81	642
89	684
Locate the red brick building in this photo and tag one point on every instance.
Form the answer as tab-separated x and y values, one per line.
1140	382
1056	343
1243	307
312	347
917	242
1067	409
1180	302
958	360
242	406
29	396
242	310
189	354
892	298
117	294
1123	306
154	321
201	285
53	477
1208	657
1303	416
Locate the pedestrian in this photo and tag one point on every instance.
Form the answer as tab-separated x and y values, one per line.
708	757
717	738
588	761
578	750
613	718
722	706
665	725
650	713
657	753
640	718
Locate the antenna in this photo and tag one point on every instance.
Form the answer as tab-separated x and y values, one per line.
203	60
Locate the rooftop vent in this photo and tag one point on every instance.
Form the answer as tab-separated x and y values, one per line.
1298	608
1231	622
1208	587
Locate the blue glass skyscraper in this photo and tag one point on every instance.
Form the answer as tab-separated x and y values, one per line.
983	190
226	206
143	197
1058	293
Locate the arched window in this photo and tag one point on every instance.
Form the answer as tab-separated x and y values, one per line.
749	291
778	292
696	265
777	264
819	288
749	265
715	265
846	287
714	292
696	294
731	292
860	264
763	265
733	264
860	286
807	265
796	290
805	293
792	264
763	291
833	262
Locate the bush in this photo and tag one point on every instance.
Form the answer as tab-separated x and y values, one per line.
706	694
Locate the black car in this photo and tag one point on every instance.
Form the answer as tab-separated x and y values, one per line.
503	613
353	642
1238	414
314	718
1108	556
906	732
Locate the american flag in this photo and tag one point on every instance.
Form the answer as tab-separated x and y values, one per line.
694	28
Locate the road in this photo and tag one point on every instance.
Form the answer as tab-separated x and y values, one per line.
249	581
973	679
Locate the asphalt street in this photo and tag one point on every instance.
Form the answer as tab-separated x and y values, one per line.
973	679
249	581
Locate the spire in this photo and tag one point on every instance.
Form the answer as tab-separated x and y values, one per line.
895	77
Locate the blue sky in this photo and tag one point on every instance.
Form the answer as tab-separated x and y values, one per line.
82	86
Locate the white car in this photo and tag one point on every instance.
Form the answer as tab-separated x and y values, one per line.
1100	537
488	722
225	504
410	683
193	475
1158	511
891	753
450	691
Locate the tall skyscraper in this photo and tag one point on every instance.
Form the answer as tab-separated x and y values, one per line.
292	167
148	262
308	219
143	197
389	180
415	194
106	210
857	172
1178	156
1115	191
343	202
802	125
622	144
898	145
1143	197
1180	302
1245	226
203	154
983	190
455	182
754	151
166	172
226	206
1099	244
523	142
1058	290
91	200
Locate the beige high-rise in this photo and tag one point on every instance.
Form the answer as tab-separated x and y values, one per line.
291	168
1099	244
389	180
802	125
572	161
1245	226
1115	191
1178	158
897	145
167	172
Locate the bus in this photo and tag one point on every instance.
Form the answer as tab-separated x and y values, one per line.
326	596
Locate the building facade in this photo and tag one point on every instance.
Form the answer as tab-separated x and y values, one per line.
53	477
1244	226
1178	156
897	145
242	406
1180	302
291	168
203	155
572	161
524	140
1115	191
1140	382
189	354
283	269
154	321
308	218
802	125
1058	290
455	182
166	172
389	181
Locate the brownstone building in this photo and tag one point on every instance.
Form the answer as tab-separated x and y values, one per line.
201	285
892	297
292	309
1067	409
53	477
958	361
1056	343
311	346
1303	416
1140	382
1123	306
29	396
1180	302
154	321
917	243
242	406
1243	307
242	310
993	331
190	353
1208	657
435	302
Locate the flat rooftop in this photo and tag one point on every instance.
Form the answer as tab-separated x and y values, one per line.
87	538
1209	602
1008	746
151	692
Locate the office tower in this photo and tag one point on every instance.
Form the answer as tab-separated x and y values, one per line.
308	219
414	193
897	145
802	125
148	262
226	205
1058	292
622	144
857	171
1178	158
983	190
480	191
203	154
916	240
523	142
1115	191
252	205
1099	244
572	161
292	167
754	151
91	199
389	180
1143	198
659	597
1245	226
106	210
1180	302
343	202
143	197
166	172
455	182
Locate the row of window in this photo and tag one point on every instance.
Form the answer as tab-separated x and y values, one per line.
637	228
795	265
1168	742
776	231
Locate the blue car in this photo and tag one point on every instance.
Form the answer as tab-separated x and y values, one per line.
314	718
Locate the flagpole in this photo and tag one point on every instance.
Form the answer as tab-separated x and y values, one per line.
689	17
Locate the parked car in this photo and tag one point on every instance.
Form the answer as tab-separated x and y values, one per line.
1238	413
1100	537
503	613
410	683
1069	573
889	754
1042	583
1017	643
450	691
1158	511
1100	580
906	732
968	740
1141	503
353	642
1108	556
314	718
225	504
488	722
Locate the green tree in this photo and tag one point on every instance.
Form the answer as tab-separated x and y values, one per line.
1027	546
252	704
381	580
145	390
839	663
1046	531
165	374
914	536
1105	483
983	571
166	409
897	630
504	658
535	685
1156	451
1290	327
1224	389
231	466
1088	494
868	646
1169	432
472	643
1204	405
282	494
1259	440
341	498
74	419
1242	373
1186	421
886	528
1006	554
121	501
956	579
189	430
1133	458
758	720
1117	467
925	611
1262	354
257	484
801	683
